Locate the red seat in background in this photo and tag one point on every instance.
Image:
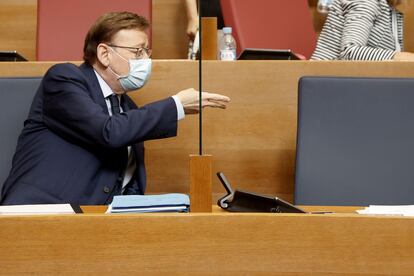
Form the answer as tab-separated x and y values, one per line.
62	25
271	24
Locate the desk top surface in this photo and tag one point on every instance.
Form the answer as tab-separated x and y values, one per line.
343	243
99	209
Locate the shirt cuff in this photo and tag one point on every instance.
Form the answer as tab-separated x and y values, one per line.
180	108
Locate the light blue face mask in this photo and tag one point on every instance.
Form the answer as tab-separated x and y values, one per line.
139	73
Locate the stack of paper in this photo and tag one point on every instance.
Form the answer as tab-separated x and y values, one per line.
402	210
39	209
149	203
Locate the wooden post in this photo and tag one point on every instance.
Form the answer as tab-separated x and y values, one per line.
200	183
407	8
209	38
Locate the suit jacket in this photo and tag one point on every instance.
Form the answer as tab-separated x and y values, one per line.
72	151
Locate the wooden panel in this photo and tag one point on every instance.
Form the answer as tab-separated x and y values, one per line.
200	183
18	27
169	29
217	243
209	38
407	7
253	142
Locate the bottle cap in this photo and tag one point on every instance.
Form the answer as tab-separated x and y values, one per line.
227	30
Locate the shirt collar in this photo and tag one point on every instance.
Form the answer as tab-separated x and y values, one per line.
106	90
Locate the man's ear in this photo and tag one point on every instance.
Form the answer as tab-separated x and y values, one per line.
102	54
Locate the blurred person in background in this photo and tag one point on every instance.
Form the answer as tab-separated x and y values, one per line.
362	30
208	8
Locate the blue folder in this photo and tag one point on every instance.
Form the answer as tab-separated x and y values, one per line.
150	203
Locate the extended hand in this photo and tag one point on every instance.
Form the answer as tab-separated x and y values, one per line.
190	100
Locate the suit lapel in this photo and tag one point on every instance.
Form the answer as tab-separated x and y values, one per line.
97	95
96	91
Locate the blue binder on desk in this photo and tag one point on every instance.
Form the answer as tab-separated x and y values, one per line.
149	203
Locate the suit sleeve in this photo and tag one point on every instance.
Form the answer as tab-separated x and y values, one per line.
70	111
358	24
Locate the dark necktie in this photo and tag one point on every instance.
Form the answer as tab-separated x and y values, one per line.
114	104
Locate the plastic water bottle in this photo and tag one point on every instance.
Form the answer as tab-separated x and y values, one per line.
228	45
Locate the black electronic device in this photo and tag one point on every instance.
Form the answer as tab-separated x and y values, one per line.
239	201
267	54
11	56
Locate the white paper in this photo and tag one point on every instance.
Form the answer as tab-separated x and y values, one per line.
38	209
401	210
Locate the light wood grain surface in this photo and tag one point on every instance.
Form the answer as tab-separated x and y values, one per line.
217	243
200	183
169	29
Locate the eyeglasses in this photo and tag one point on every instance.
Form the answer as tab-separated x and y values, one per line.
139	52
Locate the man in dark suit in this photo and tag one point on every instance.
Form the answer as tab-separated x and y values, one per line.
82	141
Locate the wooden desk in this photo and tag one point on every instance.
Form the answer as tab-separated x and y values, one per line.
216	243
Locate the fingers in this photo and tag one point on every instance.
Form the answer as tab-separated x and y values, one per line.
215	104
206	104
190	99
215	97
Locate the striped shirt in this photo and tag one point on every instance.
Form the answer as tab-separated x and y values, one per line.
359	30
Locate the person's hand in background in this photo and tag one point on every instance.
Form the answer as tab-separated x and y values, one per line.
192	28
190	100
192	18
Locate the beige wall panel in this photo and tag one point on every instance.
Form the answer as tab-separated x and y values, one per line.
169	23
408	9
